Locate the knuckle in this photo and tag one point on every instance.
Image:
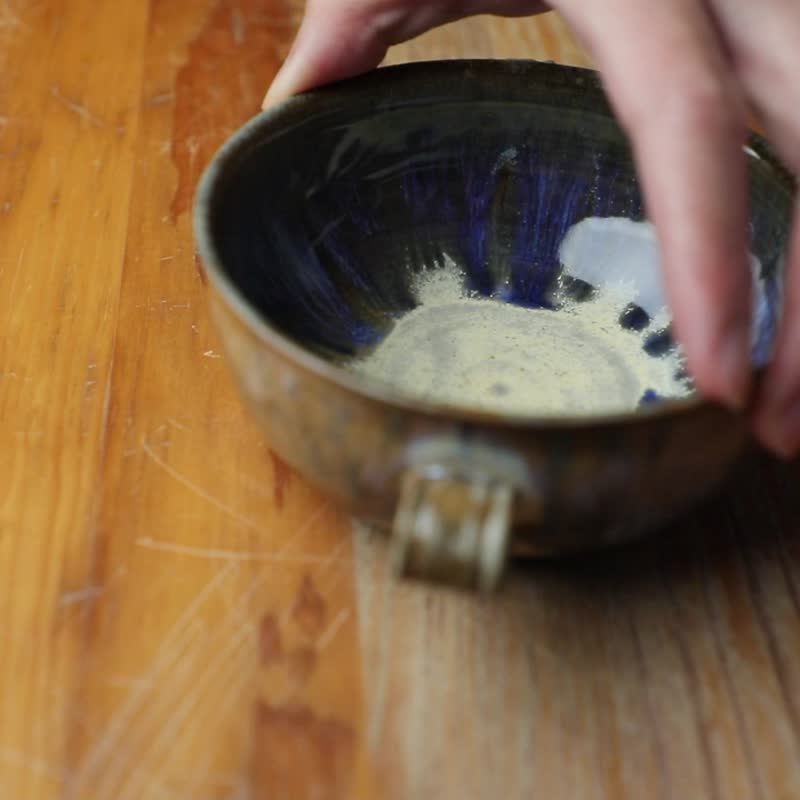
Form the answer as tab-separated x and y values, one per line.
695	99
704	102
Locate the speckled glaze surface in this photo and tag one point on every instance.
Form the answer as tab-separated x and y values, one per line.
313	220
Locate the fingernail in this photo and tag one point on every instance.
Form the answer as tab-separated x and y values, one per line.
281	86
276	91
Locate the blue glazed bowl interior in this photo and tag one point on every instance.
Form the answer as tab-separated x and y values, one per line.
327	211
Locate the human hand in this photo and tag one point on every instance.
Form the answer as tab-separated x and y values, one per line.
681	75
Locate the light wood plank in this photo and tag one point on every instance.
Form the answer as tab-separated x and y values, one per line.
65	181
236	610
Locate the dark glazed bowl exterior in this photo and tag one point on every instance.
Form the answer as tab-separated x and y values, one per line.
575	483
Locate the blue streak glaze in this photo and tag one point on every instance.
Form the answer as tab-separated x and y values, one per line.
766	322
326	316
552	201
480	184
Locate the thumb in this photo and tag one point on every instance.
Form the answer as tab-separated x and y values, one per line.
342	38
335	41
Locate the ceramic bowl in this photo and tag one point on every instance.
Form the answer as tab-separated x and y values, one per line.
319	221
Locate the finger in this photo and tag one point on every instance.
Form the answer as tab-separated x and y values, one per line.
778	411
763	40
668	79
342	38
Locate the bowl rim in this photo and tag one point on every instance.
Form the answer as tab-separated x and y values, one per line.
394	84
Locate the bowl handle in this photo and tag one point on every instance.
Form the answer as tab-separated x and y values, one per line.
454	515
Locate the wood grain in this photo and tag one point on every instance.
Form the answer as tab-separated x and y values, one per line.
182	617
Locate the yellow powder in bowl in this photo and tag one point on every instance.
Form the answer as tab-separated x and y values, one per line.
482	353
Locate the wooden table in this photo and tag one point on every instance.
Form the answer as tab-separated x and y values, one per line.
182	617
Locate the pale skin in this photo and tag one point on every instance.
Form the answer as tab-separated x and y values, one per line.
682	75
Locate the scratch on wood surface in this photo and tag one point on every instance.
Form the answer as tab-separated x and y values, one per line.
155	544
169	654
211	354
331	564
198	490
233	695
33	764
80	596
165	98
215	554
163	737
238	27
237	685
329	634
334	556
77	108
240	680
222	667
193	146
300	532
175	424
